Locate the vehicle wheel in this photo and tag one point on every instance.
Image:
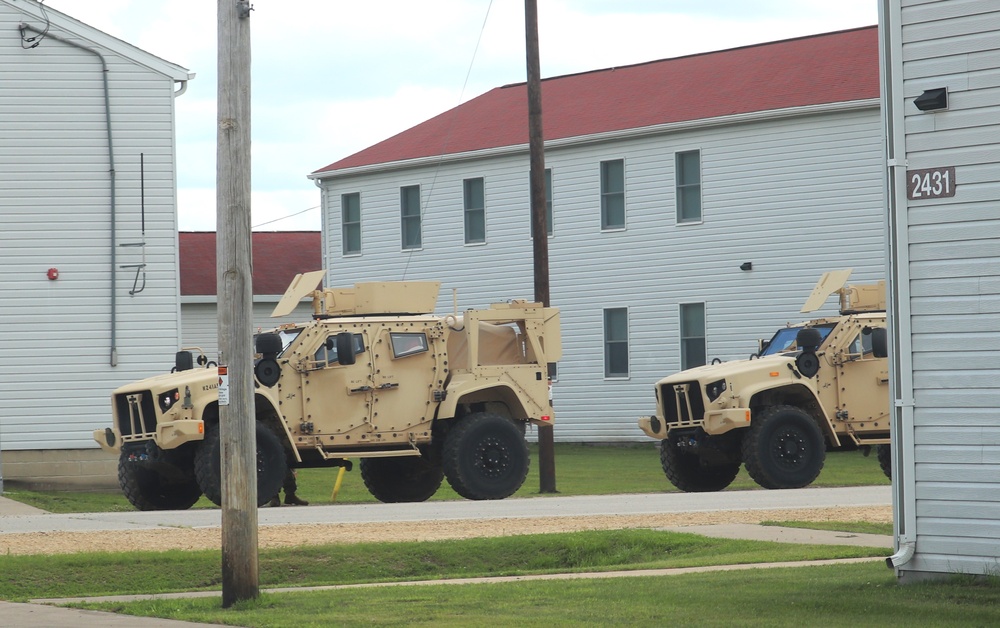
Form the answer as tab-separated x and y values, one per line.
784	448
884	453
402	479
271	465
147	489
686	472
485	456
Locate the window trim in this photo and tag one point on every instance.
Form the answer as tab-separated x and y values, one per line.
604	195
419	218
680	222
344	224
627	341
466	210
681	337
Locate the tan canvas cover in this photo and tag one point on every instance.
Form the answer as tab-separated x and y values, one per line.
498	344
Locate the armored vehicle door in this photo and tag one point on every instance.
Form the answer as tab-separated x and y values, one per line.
336	394
862	385
410	368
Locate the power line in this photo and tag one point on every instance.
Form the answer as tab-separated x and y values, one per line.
308	209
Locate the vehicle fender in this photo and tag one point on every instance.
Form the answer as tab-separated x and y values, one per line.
796	394
469	389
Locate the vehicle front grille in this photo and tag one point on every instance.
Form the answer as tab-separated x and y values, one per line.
682	404
136	414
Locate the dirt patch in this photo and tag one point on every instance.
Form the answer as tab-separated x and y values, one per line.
270	536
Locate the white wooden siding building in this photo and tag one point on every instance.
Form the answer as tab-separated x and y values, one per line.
942	104
277	257
780	152
82	115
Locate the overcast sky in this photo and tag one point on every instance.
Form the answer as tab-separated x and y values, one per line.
331	77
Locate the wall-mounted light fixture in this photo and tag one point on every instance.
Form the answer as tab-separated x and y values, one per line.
746	266
932	99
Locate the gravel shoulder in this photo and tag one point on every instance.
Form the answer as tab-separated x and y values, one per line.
276	536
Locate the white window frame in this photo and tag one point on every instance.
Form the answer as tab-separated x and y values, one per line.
403	218
606	342
344	224
679	186
605	195
682	333
467	210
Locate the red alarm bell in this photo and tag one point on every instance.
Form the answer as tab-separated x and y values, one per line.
53	274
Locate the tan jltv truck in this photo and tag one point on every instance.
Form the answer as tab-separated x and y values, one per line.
814	385
375	376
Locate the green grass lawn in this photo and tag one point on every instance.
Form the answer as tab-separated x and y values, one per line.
75	575
580	470
839	595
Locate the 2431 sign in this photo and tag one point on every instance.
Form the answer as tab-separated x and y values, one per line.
930	183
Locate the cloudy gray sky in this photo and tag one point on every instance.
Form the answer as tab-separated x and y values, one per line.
331	77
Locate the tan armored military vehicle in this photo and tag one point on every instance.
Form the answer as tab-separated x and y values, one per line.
815	385
374	376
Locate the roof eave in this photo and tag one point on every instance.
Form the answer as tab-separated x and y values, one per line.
657	129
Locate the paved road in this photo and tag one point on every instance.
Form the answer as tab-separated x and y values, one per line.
555	506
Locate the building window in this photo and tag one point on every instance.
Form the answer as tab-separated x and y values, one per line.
613	194
692	335
409	216
687	169
616	342
548	205
350	223
475	211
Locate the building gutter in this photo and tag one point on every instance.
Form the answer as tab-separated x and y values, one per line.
113	359
624	134
897	293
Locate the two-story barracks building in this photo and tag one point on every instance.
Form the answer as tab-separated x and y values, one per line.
694	203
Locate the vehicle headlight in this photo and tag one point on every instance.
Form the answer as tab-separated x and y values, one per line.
168	399
715	389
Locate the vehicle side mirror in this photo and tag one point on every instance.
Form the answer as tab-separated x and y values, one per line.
345	348
880	342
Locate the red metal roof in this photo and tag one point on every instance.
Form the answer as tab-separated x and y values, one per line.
819	69
277	257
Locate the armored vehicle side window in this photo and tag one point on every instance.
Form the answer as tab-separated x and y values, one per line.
861	345
327	354
405	344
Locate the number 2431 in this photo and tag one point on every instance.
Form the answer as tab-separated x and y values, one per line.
930	183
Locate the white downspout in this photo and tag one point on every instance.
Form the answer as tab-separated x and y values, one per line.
898	294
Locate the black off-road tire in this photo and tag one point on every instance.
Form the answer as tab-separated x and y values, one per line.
685	471
884	454
401	479
271	464
784	448
485	456
147	489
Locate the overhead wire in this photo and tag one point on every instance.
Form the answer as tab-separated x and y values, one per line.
308	209
451	126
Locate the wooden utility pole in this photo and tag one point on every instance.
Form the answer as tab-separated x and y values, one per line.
539	226
240	568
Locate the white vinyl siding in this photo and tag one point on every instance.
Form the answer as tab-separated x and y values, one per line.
769	207
56	371
949	254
